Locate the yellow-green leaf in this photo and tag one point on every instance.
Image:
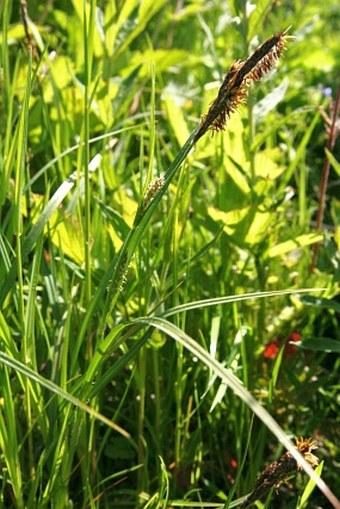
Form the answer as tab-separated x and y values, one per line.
258	229
68	235
176	119
230	219
300	241
245	226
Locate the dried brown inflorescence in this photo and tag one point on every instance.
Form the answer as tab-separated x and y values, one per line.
235	86
279	471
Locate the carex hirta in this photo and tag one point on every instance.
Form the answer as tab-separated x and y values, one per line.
233	92
235	86
276	473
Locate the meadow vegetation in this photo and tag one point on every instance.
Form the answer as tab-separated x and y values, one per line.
169	319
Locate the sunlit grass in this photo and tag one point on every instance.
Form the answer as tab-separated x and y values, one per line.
156	281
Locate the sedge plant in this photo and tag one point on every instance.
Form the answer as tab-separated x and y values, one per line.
79	385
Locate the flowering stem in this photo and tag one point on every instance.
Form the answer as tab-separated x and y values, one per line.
233	91
277	472
234	88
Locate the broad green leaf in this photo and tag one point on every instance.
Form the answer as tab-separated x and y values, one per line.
127	205
233	192
266	171
320	302
176	119
300	241
258	15
66	233
61	70
233	189
233	139
230	219
266	165
321	345
239	180
15	32
121	222
259	228
102	105
245	226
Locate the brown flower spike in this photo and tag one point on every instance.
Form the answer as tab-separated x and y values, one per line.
235	86
279	471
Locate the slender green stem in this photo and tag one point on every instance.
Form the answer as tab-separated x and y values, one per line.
88	33
251	136
157	393
303	176
179	369
18	228
115	275
141	378
262	311
88	30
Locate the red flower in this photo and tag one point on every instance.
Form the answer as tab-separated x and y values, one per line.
289	348
233	463
272	349
295	336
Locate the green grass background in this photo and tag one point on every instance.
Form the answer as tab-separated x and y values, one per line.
136	376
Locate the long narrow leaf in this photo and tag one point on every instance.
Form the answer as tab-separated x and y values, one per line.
236	386
52	387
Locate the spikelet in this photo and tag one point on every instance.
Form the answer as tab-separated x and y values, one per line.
306	446
279	471
235	86
228	98
152	190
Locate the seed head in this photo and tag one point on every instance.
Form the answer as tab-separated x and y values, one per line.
235	86
278	472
